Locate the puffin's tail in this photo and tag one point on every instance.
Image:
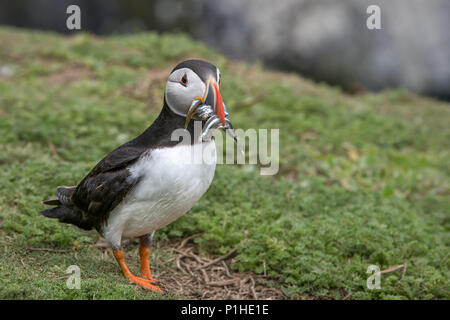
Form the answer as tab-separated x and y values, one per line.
67	215
65	211
64	195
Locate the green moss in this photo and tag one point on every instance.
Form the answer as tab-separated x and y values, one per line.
363	179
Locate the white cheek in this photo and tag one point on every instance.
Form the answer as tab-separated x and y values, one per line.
179	98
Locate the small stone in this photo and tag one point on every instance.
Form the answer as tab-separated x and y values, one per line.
6	71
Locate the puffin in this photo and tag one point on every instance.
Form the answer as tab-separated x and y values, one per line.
150	181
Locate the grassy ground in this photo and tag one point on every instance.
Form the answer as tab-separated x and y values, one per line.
363	179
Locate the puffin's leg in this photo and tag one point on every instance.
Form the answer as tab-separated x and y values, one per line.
144	283
145	242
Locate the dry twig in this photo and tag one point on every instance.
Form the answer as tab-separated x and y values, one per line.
183	243
392	269
219	258
47	249
403	272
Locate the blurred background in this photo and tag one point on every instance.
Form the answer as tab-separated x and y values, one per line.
364	177
325	40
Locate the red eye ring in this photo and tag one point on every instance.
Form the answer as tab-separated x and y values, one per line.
184	80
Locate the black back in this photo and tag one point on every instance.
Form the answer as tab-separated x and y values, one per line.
110	181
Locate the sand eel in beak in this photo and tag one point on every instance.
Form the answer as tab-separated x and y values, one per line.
142	186
210	107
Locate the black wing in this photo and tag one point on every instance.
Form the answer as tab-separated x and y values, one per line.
107	184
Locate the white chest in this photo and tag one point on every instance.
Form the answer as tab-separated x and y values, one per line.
172	180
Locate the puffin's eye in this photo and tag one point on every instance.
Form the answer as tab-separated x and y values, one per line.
184	80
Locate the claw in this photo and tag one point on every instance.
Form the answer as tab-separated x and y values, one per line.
160	284
149	284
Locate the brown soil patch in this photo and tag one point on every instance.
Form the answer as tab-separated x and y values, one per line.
199	276
70	74
205	277
147	87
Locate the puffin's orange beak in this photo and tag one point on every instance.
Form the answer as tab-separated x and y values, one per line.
214	99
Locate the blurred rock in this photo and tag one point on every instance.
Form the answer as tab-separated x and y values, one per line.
326	40
6	71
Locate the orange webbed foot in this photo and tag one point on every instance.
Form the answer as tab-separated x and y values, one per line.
148	284
145	267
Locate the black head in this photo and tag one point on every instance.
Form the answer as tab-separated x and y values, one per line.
190	80
202	68
192	90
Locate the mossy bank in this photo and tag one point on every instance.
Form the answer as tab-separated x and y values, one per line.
363	180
